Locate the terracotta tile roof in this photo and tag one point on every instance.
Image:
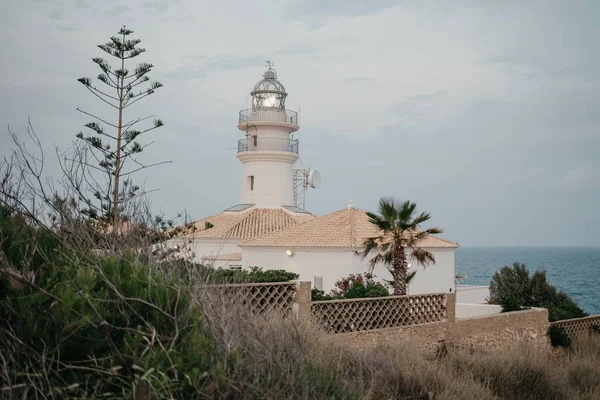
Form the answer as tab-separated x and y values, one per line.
247	224
226	257
346	228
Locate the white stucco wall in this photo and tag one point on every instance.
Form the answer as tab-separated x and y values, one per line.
466	310
438	277
273	178
472	294
435	278
203	248
332	264
227	264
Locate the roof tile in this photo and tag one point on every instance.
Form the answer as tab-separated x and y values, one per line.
346	228
248	224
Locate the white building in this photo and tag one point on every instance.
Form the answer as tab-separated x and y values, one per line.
270	230
329	247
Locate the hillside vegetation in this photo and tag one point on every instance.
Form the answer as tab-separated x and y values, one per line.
122	325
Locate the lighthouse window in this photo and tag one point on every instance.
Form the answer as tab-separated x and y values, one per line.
251	182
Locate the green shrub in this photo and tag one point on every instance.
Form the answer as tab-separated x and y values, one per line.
359	286
251	275
23	245
80	326
510	302
508	287
514	289
558	336
319	295
353	286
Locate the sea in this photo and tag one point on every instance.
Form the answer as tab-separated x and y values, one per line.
575	271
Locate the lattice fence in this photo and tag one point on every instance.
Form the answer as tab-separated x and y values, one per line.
258	297
578	326
353	315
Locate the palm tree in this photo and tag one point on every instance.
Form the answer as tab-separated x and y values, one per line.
400	231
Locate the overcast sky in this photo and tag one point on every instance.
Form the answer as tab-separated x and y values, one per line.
484	113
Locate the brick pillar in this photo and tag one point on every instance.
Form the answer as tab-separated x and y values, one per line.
301	305
451	307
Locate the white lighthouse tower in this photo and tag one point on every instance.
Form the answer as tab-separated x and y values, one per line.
268	150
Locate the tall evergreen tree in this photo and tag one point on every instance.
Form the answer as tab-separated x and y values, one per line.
113	149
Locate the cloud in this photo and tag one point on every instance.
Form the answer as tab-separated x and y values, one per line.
317	12
117	10
405	113
583	178
296	49
156	6
81	4
347	39
524	67
354	79
414	107
185	73
212	64
55	15
468	104
428	97
67	28
561	63
337	8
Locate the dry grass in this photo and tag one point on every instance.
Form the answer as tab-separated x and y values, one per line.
283	359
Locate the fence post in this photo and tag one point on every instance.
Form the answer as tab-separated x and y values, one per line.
301	306
451	307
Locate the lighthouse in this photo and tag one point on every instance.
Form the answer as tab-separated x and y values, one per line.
268	149
270	226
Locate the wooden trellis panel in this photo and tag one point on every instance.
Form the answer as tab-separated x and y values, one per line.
578	326
353	315
258	297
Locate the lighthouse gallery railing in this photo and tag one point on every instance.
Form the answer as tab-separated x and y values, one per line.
270	114
257	143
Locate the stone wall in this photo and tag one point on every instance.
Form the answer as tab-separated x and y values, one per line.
529	326
424	335
491	331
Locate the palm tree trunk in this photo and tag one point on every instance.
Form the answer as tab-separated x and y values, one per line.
399	268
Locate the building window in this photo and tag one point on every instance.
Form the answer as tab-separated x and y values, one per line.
255	139
251	182
319	282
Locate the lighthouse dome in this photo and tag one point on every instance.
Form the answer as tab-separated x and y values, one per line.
268	92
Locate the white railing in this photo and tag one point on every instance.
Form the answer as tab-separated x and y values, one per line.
465	287
269	115
268	144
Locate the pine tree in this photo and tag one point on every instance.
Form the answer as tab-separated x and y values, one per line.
113	148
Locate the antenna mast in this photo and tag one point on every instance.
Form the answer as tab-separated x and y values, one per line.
300	185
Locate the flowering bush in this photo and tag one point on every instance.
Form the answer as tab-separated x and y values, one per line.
359	285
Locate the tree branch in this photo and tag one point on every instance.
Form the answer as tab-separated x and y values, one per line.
98	96
98	118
